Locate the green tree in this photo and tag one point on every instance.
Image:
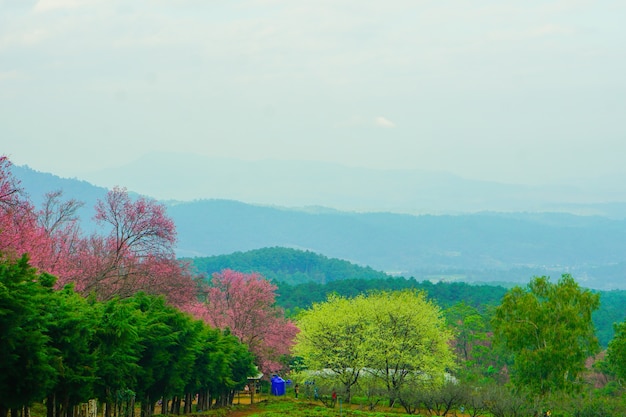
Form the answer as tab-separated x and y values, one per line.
616	352
470	330
477	357
157	344
332	337
183	352
549	330
211	370
26	373
240	363
117	350
399	337
71	329
407	340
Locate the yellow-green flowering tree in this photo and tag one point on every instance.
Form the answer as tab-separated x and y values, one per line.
331	339
408	342
397	337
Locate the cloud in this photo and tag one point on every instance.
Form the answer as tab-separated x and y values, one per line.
365	122
47	5
10	75
551	29
548	29
383	122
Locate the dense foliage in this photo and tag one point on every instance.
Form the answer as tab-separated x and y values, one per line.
245	304
293	297
301	285
58	345
548	327
398	338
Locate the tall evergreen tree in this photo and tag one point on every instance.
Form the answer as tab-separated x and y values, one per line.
26	372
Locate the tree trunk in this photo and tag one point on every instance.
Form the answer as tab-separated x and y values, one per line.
209	399
176	405
69	411
146	407
203	401
50	406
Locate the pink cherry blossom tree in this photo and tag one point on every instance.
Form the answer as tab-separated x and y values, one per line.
20	232
245	304
136	252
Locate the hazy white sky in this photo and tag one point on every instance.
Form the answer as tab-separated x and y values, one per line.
524	91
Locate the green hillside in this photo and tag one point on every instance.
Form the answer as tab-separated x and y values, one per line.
287	265
305	277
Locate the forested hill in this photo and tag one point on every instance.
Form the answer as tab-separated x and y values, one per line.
477	248
287	265
304	278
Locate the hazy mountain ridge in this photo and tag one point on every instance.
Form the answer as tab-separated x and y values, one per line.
37	184
313	183
486	246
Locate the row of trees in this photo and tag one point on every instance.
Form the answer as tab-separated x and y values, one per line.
446	294
65	348
132	252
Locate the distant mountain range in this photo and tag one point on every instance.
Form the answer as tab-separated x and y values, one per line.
187	177
471	247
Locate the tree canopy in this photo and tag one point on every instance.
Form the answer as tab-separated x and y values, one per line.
397	337
287	265
55	344
245	305
549	330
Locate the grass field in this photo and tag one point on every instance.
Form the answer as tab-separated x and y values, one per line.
281	406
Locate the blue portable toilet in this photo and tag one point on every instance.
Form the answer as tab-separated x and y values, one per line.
278	385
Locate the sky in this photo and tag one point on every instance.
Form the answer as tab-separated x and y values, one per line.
528	92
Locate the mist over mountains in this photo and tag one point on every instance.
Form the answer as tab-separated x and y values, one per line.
187	177
487	246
